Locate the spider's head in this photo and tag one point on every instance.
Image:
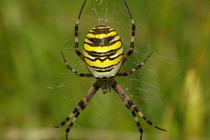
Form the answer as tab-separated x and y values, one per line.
106	84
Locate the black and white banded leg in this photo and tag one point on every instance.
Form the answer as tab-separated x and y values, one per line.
138	66
132	107
76	34
72	117
127	102
74	70
140	114
133	29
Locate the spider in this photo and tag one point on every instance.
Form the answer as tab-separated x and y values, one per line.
103	54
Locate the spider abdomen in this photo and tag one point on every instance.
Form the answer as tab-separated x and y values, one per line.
103	51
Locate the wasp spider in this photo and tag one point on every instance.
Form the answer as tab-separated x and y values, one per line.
103	54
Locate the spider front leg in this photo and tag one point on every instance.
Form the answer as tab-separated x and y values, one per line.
74	70
132	107
129	104
72	117
138	66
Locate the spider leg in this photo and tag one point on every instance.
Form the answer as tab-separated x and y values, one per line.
137	122
140	114
127	101
76	29
138	66
74	70
72	117
130	105
133	30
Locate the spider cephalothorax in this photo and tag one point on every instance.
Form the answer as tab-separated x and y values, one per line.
106	84
103	54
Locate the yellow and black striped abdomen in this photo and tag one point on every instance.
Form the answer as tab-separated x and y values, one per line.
103	51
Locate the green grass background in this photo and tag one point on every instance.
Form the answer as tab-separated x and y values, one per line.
37	91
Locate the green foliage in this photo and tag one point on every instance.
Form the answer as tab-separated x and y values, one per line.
37	91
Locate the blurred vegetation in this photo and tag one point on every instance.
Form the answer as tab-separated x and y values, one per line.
37	91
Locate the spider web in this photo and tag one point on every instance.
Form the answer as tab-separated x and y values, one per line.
114	13
142	86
